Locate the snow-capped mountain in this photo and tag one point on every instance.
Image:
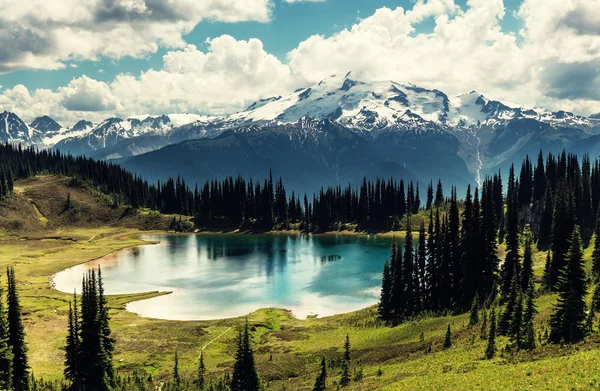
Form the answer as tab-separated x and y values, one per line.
45	125
111	132
15	131
421	131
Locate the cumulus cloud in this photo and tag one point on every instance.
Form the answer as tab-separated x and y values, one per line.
553	61
44	34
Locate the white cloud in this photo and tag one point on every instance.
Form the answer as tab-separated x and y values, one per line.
555	63
43	34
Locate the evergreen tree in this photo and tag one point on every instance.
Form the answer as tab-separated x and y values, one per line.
176	375
484	325
527	269
490	350
245	375
545	230
345	376
385	303
201	373
421	273
567	320
6	354
408	272
474	313
321	382
528	333
596	298
439	195
511	262
596	252
506	321
448	338
20	366
562	230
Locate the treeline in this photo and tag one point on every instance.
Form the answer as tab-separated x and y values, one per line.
232	202
454	264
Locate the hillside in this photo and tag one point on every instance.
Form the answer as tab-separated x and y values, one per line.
39	206
288	350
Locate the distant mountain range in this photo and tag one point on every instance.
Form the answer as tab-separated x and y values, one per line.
336	131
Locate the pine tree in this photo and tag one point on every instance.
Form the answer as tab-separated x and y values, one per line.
439	195
321	382
474	313
528	333
596	253
511	261
545	230
6	355
103	322
201	373
176	376
527	269
567	320
385	303
490	350
245	375
562	230
596	298
345	376
484	325
448	338
504	325
72	349
20	366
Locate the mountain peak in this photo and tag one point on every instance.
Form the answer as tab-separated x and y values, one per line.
82	125
45	124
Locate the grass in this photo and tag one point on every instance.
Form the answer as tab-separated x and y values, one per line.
296	346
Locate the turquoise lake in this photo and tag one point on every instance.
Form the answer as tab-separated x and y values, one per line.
229	275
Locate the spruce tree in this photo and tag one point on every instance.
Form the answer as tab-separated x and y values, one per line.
506	320
245	375
385	302
545	230
490	350
511	264
484	326
562	230
528	333
567	320
321	382
596	253
474	313
448	338
20	366
201	373
345	376
596	298
6	354
176	375
527	269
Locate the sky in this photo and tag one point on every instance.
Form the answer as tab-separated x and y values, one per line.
92	59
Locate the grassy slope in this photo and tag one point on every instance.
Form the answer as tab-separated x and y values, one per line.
40	243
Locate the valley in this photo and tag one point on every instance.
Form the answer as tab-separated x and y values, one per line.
287	349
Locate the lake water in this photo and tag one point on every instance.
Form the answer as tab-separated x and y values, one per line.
228	275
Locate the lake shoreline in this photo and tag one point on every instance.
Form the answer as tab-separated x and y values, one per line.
109	257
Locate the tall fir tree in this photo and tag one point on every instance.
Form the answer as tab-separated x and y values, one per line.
245	375
6	354
511	264
567	320
20	365
596	252
490	350
201	373
321	381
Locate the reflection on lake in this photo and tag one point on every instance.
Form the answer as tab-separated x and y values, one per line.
220	276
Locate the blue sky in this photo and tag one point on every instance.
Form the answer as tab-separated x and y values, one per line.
290	25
